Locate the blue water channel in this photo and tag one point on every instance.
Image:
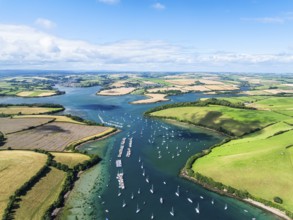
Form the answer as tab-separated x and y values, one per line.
159	149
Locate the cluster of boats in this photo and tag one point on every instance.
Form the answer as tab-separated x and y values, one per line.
128	152
118	163
120	179
120	152
110	123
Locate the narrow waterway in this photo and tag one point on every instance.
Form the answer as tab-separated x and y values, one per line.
152	154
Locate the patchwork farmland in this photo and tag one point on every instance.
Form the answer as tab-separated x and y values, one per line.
54	136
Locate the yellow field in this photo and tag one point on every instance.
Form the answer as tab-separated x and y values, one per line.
16	168
36	202
25	110
70	159
36	93
117	91
153	98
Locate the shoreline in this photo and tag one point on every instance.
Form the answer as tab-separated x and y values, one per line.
183	174
77	147
200	126
250	201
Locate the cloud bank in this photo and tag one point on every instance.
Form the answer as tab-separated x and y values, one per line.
26	47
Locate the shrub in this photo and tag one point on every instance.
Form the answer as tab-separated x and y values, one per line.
278	200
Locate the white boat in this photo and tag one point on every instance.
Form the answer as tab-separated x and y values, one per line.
226	207
201	197
213	202
119	193
137	209
172	211
132	196
107	210
190	200
161	200
124	204
197	208
177	192
139	159
138	192
164	183
152	189
147	180
152	216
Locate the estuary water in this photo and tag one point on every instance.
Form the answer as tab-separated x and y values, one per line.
152	152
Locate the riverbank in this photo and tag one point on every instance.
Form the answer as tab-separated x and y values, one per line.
275	211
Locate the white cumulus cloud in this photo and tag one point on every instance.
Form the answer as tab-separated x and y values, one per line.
45	23
26	47
109	2
158	6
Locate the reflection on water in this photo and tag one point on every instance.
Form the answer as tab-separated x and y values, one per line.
156	151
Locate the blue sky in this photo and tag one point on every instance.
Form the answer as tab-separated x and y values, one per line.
142	35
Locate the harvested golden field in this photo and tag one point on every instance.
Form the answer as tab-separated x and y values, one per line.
25	110
10	125
58	118
44	193
55	136
210	82
164	89
117	91
70	159
278	91
221	87
152	99
196	88
16	168
119	83
36	93
182	82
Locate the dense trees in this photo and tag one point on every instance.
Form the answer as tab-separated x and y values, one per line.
199	103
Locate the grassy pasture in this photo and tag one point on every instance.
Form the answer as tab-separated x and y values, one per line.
237	121
26	110
283	105
70	159
45	192
55	136
262	166
16	168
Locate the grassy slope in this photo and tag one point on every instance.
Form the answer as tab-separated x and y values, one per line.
283	105
16	168
70	159
237	121
254	165
13	110
36	202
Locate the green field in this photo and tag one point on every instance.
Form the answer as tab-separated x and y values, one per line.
16	168
45	192
233	120
70	159
282	105
260	164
